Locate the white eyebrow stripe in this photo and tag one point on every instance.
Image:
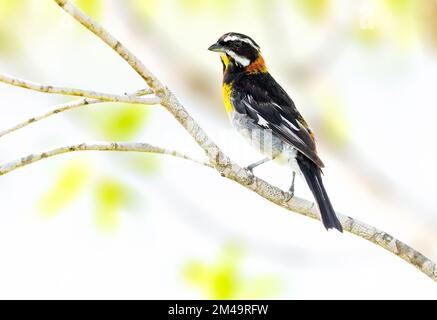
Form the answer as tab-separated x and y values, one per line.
233	38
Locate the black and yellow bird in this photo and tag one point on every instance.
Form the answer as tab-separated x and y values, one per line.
264	114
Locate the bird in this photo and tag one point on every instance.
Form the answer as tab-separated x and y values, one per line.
263	113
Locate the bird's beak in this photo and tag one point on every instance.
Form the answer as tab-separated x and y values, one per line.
216	48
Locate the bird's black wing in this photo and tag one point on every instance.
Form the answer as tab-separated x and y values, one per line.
263	99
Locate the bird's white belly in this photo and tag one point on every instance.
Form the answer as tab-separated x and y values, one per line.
265	141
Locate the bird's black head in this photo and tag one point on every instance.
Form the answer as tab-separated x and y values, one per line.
237	49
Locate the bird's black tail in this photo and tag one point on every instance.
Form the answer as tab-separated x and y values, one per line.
313	177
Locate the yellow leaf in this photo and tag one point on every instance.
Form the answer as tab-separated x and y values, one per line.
146	8
119	122
224	280
147	164
335	123
93	8
191	5
316	9
67	187
110	197
400	7
10	8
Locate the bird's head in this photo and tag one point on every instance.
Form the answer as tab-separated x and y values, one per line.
240	52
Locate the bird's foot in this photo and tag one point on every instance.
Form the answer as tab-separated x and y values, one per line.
249	170
289	195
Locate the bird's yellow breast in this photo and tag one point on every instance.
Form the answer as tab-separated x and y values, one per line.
227	89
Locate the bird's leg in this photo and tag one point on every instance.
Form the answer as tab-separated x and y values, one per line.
256	164
291	189
290	193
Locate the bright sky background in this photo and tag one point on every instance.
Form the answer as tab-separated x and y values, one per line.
101	225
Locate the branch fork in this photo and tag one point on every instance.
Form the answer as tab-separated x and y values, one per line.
160	94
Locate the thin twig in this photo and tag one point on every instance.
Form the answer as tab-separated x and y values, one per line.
77	92
65	107
261	187
232	171
101	146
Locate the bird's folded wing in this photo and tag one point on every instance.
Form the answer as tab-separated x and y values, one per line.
276	111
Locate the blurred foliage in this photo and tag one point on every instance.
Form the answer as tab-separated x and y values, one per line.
145	164
9	19
145	8
220	7
119	122
67	187
223	280
428	12
335	122
111	196
113	122
394	22
314	9
93	8
225	9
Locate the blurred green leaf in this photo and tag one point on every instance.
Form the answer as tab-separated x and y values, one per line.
223	279
400	7
368	36
110	196
67	187
8	42
335	123
191	5
9	9
94	8
403	16
260	287
316	9
147	164
218	281
10	14
119	121
145	8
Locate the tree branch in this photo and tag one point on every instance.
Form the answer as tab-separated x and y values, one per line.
65	107
77	92
224	165
101	146
261	187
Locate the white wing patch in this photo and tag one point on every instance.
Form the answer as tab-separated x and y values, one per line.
286	120
295	136
262	122
290	124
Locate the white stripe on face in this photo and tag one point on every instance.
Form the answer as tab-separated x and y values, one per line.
243	61
237	38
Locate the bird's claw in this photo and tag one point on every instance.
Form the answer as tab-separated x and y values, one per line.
289	195
249	170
